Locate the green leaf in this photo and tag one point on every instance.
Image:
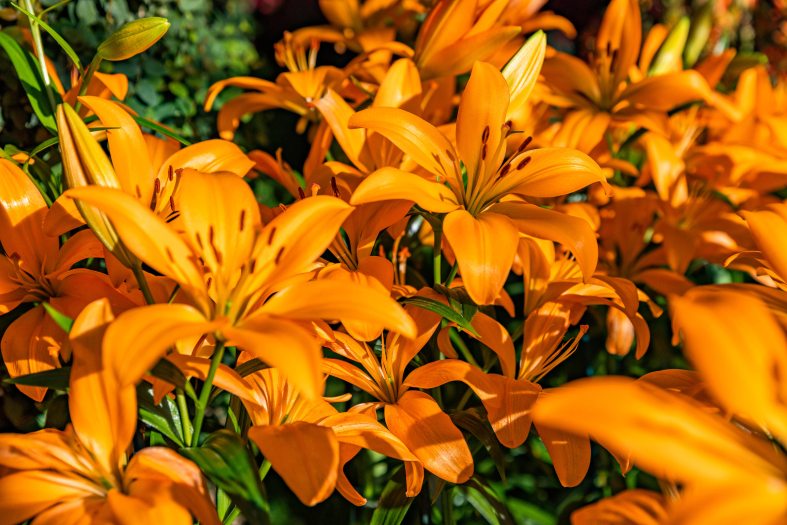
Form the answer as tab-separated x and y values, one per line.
487	502
167	371
57	378
54	34
394	503
473	421
442	310
162	418
142	121
62	320
224	459
250	366
29	73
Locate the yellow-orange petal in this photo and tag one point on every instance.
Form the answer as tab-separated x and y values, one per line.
394	184
430	434
305	455
484	247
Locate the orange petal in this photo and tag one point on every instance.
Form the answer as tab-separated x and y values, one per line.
508	402
430	434
305	455
329	299
630	507
103	412
27	493
575	234
284	345
484	247
390	183
138	338
337	113
522	70
416	137
621	31
570	453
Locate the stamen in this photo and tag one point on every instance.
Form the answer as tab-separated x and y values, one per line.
525	144
301	193
524	162
242	219
504	170
483	152
334	187
271	234
168	251
139	191
485	135
172	203
252	265
170	175
278	255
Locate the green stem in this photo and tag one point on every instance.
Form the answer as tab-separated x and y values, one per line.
35	31
87	77
452	274
143	283
447	506
457	340
204	395
264	468
184	415
437	252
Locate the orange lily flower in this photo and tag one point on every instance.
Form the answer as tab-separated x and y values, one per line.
732	339
245	282
294	90
36	269
82	474
484	207
602	95
768	227
412	416
292	432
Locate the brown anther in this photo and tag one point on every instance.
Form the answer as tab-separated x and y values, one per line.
334	187
170	174
156	186
179	172
242	219
450	155
524	162
271	235
207	283
609	48
483	152
301	193
504	170
614	59
485	135
525	144
172	203
139	191
252	265
282	207
509	124
278	255
169	254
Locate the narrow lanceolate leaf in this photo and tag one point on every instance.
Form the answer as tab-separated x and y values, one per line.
475	423
250	366
161	418
488	502
29	74
224	459
54	34
394	503
168	372
57	379
442	310
63	321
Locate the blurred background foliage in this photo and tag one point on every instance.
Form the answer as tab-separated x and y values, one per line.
210	40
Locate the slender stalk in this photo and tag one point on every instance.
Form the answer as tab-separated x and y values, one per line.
264	468
143	283
437	252
452	274
184	415
204	395
447	506
35	31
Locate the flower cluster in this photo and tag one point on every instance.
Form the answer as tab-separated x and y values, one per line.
474	204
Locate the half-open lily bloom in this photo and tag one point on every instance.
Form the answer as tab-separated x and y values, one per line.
602	95
36	269
244	282
732	339
479	188
457	33
83	474
768	265
308	442
294	90
412	416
